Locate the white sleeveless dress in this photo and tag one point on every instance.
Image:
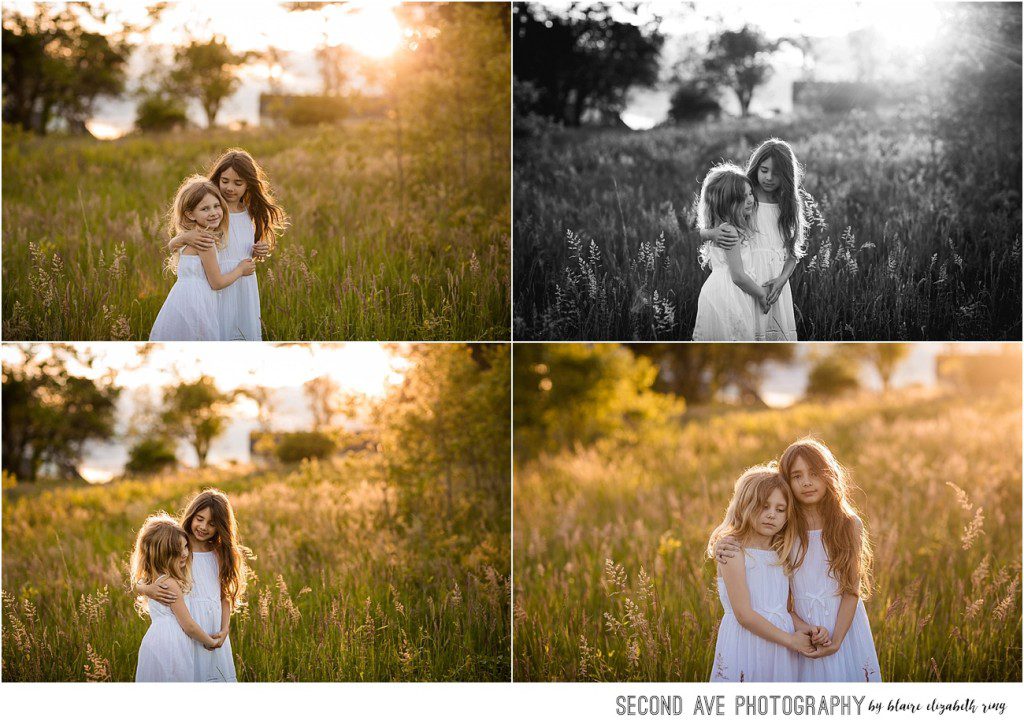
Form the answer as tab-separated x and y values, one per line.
239	303
724	311
742	656
768	254
204	606
190	310
166	653
816	601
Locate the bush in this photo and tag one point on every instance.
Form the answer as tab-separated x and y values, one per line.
151	455
294	447
693	101
832	376
160	113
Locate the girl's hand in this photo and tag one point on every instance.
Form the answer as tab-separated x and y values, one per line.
726	548
774	288
198	239
221	637
800	642
247	266
762	302
260	249
158	592
215	641
725	235
820	636
820	652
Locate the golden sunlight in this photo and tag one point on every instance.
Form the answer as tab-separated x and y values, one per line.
371	30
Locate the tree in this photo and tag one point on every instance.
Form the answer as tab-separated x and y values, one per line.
196	412
569	394
832	374
739	59
151	455
208	72
322	392
584	59
698	373
263	397
54	68
49	413
884	357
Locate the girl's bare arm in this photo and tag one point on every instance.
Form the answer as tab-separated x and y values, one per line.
740	278
217	279
734	573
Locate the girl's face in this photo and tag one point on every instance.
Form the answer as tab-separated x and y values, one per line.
232	186
748	202
203	527
771	519
184	551
766	175
208	212
807	486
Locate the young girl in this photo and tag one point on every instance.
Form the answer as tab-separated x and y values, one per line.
190	310
256	220
161	555
219	580
832	572
757	640
778	238
730	300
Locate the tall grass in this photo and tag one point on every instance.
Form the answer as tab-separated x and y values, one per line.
902	247
340	594
371	254
611	582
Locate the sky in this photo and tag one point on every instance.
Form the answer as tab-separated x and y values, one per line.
368	26
358	367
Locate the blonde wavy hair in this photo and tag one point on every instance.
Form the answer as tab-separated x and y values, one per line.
848	550
722	198
158	549
750	495
191	192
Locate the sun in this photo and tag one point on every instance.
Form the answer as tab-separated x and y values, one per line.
370	30
907	25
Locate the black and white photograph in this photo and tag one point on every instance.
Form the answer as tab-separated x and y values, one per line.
748	171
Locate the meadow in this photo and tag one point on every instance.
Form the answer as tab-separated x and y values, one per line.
341	591
611	580
905	244
380	247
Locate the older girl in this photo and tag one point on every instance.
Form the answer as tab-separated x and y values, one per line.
758	639
161	557
190	310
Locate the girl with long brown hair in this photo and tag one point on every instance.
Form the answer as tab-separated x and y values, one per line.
219	575
831	566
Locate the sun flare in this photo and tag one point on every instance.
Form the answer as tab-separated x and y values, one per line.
372	30
907	25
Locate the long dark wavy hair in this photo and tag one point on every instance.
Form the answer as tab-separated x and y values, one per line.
789	196
267	215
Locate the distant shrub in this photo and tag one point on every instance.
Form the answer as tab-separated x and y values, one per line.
293	447
837	97
693	101
832	376
305	110
151	455
160	113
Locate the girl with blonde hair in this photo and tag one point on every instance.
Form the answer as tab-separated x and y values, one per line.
757	639
161	558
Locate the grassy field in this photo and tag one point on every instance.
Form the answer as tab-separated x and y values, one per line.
611	582
371	253
904	247
338	595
